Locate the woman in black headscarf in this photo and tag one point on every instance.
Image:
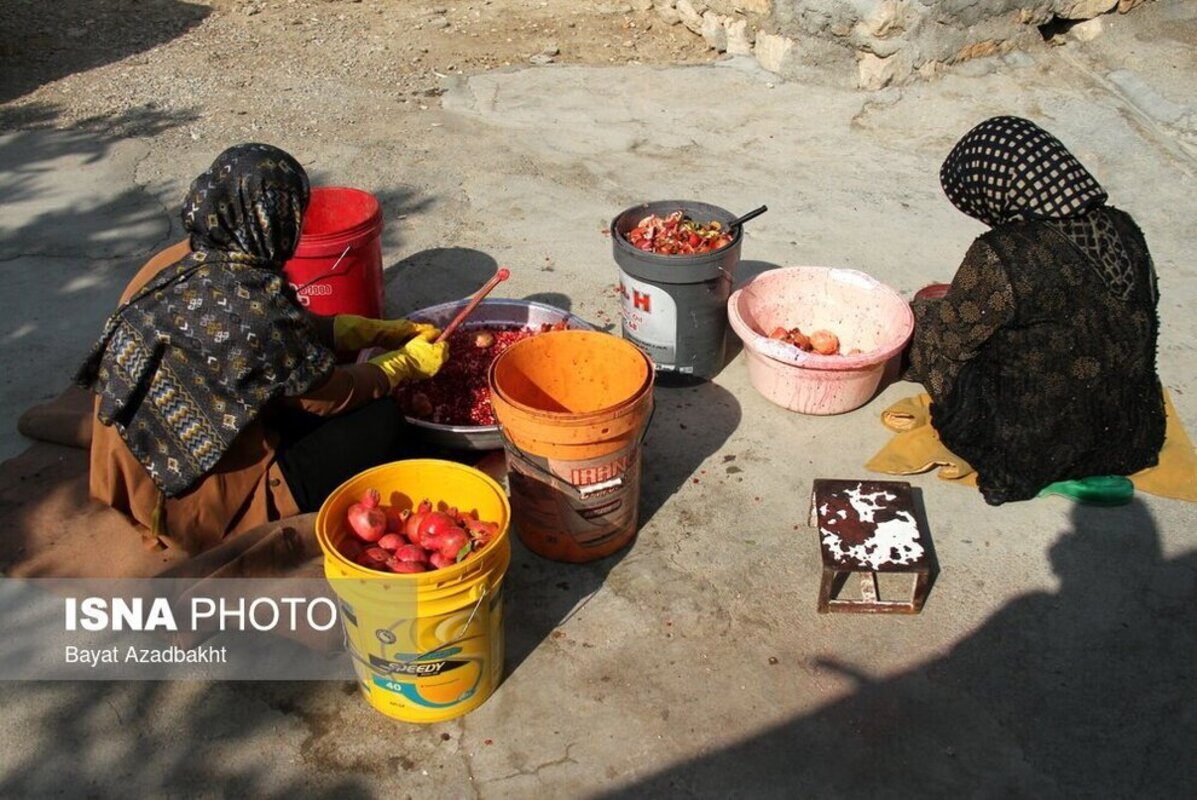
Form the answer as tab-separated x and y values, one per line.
1040	356
219	404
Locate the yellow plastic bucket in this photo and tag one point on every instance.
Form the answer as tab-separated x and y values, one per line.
427	647
573	407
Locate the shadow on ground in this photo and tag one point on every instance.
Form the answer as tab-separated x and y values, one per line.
690	424
41	42
189	741
554	299
748	269
547	593
1084	692
35	165
68	253
745	271
398	203
435	276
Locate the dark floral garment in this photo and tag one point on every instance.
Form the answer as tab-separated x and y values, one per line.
1038	372
192	359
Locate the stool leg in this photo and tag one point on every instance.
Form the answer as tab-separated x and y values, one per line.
922	583
825	589
869	593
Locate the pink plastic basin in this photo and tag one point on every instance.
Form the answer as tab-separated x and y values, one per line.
863	312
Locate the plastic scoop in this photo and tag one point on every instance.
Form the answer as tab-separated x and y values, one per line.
753	214
500	276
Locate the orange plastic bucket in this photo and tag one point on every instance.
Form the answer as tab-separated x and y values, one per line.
337	266
573	407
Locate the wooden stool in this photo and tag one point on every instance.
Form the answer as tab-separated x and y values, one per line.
869	527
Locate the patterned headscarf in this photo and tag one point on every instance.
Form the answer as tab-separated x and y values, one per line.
191	359
1008	169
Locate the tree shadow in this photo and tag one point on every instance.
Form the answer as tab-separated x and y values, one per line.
1084	692
44	181
71	239
43	42
34	116
198	741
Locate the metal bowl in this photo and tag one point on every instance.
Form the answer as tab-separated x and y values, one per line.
489	313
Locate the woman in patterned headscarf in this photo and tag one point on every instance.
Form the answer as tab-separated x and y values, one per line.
1040	356
219	403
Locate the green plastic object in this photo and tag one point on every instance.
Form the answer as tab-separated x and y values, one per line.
1099	490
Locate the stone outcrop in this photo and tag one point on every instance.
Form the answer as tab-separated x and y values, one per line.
885	41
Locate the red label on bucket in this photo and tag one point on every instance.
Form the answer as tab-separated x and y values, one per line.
306	293
649	317
590	474
592	503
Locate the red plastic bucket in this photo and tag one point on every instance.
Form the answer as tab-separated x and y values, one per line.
337	267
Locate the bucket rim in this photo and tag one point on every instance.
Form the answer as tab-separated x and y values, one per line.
369	222
760	344
656	259
579	417
328	189
450	307
563	419
491	555
642	405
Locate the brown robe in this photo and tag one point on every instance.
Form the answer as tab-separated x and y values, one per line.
246	487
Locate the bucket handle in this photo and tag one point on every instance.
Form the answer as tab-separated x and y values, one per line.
582	492
331	270
464	630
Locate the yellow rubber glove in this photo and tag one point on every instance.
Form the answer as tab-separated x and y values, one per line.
351	332
415	361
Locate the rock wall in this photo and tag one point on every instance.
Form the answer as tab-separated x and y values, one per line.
879	42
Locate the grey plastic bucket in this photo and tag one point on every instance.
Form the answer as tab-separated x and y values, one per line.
675	307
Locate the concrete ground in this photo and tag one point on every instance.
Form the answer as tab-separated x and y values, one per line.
1055	655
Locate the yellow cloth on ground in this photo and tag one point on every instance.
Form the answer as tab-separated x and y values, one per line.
916	448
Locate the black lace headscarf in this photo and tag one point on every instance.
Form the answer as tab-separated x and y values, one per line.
1008	169
191	359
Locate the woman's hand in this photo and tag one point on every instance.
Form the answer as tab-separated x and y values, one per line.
417	360
351	332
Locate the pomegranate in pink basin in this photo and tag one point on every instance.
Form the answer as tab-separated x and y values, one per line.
866	315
